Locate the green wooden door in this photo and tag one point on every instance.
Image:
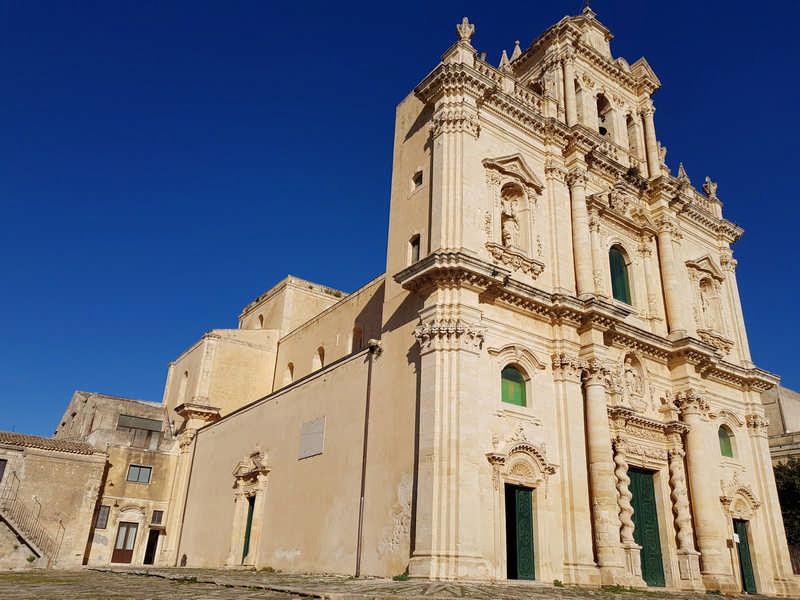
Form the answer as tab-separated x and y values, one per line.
251	502
645	521
519	532
745	564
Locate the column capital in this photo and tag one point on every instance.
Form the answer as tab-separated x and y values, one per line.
576	177
757	425
449	334
567	366
596	372
554	170
690	402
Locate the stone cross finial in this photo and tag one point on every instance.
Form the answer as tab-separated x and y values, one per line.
465	30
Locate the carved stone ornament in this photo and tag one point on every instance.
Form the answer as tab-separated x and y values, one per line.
520	461
710	189
690	401
449	334
515	260
465	30
567	366
248	470
757	425
738	499
455	119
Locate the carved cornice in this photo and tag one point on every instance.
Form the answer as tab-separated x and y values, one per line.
201	412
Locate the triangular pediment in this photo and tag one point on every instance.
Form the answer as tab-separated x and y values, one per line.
515	166
642	70
707	265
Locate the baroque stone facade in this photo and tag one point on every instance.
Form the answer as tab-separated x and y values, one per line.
551	380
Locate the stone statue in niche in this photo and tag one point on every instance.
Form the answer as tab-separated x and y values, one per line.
508	215
633	379
709	305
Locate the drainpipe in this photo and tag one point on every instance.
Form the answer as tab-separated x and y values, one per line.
374	350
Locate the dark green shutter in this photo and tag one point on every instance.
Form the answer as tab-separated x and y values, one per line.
620	286
645	522
745	563
725	447
512	386
251	501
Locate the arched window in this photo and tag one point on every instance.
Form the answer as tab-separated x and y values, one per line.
288	375
620	286
261	321
413	249
512	386
356	343
319	359
725	442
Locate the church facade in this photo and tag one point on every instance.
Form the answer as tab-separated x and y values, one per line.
551	380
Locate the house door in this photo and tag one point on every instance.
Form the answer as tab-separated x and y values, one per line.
745	564
251	502
645	523
126	538
150	549
519	532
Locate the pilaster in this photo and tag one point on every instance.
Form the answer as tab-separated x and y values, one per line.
446	545
676	315
650	143
580	232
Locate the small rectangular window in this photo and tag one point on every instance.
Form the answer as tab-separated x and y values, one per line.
158	515
414	249
417	179
3	463
102	517
139	474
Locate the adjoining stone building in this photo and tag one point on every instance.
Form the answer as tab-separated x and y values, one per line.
782	408
551	380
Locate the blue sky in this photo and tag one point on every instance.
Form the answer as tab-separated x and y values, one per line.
164	163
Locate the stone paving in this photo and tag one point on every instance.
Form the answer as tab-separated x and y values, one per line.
180	584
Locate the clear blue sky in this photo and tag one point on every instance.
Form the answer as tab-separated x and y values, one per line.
164	163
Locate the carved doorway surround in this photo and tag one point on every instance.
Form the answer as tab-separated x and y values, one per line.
250	483
517	463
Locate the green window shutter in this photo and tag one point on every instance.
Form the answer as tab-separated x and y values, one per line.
513	386
725	446
620	286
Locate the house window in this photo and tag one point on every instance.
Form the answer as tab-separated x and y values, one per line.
3	463
158	516
725	443
620	285
144	433
355	346
414	249
417	179
102	517
139	474
513	386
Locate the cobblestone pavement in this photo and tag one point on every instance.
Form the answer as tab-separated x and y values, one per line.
180	584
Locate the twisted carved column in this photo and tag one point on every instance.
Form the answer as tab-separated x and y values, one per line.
624	493
680	500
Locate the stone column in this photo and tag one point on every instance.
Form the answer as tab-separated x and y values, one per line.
650	284
174	520
650	143
579	565
447	538
605	512
676	317
710	526
633	561
570	103
580	233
